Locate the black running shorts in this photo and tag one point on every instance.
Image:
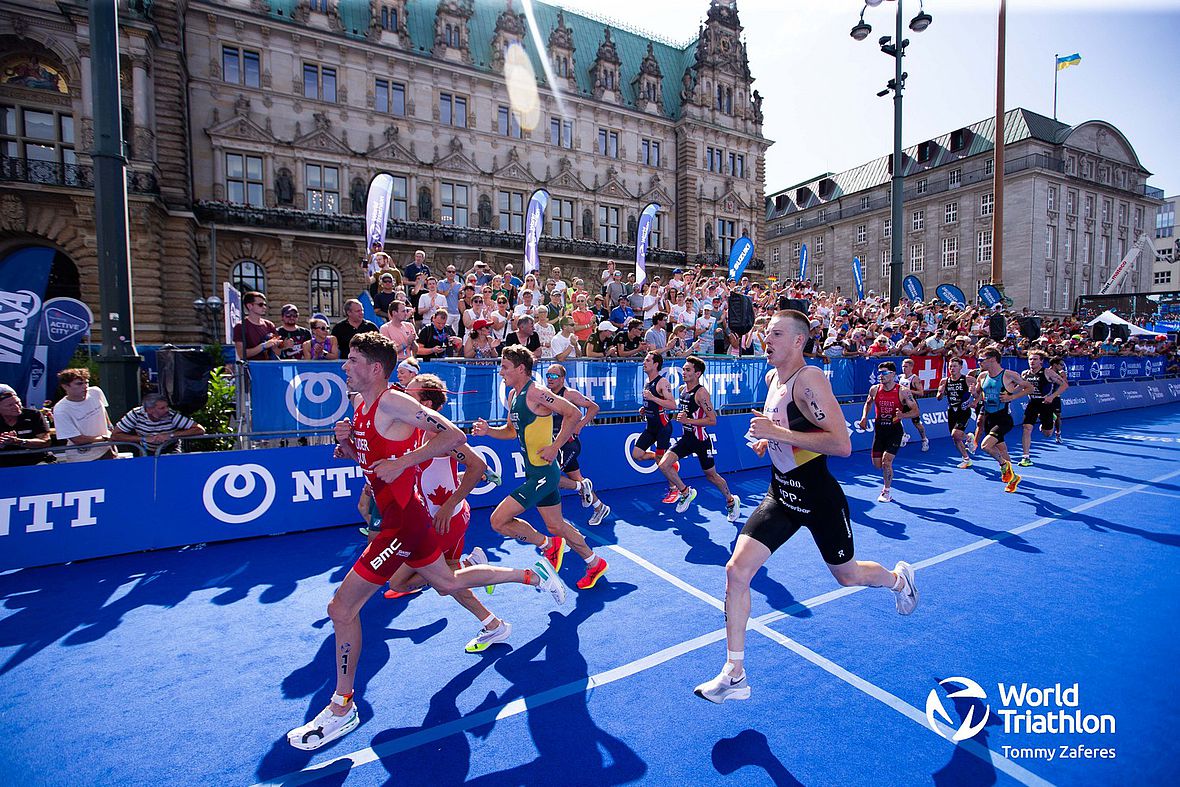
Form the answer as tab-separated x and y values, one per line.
657	433
567	457
1038	410
958	419
690	445
809	499
998	424
887	438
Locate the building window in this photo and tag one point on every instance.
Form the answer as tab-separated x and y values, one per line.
726	235
862	232
324	285
561	132
950	252
1069	236
399	204
714	159
1087	244
919	220
452	110
39	142
987	203
389	97
319	82
240	66
561	221
323	188
1161	277
243	180
608	224
725	99
507	124
989	167
776	254
822	215
454	204
737	165
318	5
922	186
608	143
864	203
1104	250
1138	218
796	246
1052	203
1071	202
886	263
512	211
650	150
389	18
917	257
983	246
1106	211
1048	302
956	178
1050	242
248	276
818	246
887	228
1089	206
818	280
950	214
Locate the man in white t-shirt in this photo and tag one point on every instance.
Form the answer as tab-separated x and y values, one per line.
564	344
81	418
608	275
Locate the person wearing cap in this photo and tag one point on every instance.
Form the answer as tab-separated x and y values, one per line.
614	288
602	343
21	428
386	293
704	327
479	342
676	283
482	273
292	333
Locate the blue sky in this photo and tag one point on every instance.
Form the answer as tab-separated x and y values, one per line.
819	85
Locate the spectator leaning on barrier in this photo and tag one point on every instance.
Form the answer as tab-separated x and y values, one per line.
525	334
479	342
255	337
21	428
292	333
153	424
657	335
629	343
565	344
81	418
601	343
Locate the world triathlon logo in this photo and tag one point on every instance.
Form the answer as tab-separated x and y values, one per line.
968	728
236	488
317	398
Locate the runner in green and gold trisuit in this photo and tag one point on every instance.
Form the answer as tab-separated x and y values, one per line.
531	410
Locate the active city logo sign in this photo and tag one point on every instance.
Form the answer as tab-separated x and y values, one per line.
1023	709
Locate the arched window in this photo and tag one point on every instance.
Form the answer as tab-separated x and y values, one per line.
248	275
325	291
36	142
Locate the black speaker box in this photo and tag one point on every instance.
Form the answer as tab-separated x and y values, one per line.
184	377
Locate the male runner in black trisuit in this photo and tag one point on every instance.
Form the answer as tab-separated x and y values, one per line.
958	392
657	398
800	426
1048	386
567	458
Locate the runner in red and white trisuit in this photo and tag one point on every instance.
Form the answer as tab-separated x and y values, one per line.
385	443
445	496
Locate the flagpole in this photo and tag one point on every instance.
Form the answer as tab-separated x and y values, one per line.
1055	85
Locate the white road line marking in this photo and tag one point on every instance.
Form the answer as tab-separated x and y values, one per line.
1073	482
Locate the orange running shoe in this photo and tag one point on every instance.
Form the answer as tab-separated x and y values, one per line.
555	552
1015	482
593	574
671	497
401	594
1006	473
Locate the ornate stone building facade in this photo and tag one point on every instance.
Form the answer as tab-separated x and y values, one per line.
1075	199
255	126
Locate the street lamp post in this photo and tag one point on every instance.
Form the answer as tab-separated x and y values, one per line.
895	47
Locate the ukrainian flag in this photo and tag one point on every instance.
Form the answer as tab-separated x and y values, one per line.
1068	60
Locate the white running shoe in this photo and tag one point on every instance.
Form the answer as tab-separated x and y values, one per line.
723	687
1057	437
486	638
324	728
600	513
925	443
477	557
907	597
884	497
586	490
972	447
686	497
550	582
734	509
905	437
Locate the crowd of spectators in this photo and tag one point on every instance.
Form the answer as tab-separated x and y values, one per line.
474	313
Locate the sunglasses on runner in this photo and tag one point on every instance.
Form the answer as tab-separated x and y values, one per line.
552	376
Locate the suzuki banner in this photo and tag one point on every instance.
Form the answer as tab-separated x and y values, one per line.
24	274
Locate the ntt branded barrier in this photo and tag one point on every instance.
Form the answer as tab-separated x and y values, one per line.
72	511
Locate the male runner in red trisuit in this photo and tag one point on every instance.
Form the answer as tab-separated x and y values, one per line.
893	403
385	442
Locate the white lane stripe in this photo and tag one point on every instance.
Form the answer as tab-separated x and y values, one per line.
777	615
1073	482
370	754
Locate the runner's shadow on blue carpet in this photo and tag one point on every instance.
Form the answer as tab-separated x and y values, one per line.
943	516
965	769
751	748
860	510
